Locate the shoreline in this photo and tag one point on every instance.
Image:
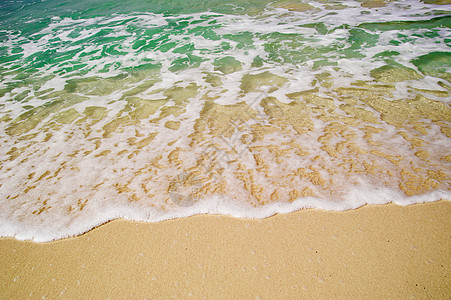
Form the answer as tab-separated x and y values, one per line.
373	251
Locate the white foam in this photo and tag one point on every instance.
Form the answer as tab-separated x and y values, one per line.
213	206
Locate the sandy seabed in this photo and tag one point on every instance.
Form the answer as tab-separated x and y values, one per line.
377	251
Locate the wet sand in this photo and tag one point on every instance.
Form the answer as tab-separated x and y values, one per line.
378	251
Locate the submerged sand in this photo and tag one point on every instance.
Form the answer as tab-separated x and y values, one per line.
377	251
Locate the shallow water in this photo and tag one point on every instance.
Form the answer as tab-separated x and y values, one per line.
150	111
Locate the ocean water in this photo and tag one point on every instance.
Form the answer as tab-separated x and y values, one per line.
151	110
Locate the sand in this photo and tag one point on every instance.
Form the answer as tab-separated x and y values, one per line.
379	251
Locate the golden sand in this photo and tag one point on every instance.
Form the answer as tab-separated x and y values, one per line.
377	252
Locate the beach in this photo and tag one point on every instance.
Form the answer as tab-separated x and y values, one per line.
377	251
156	111
239	149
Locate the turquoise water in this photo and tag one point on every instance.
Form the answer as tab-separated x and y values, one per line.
150	110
